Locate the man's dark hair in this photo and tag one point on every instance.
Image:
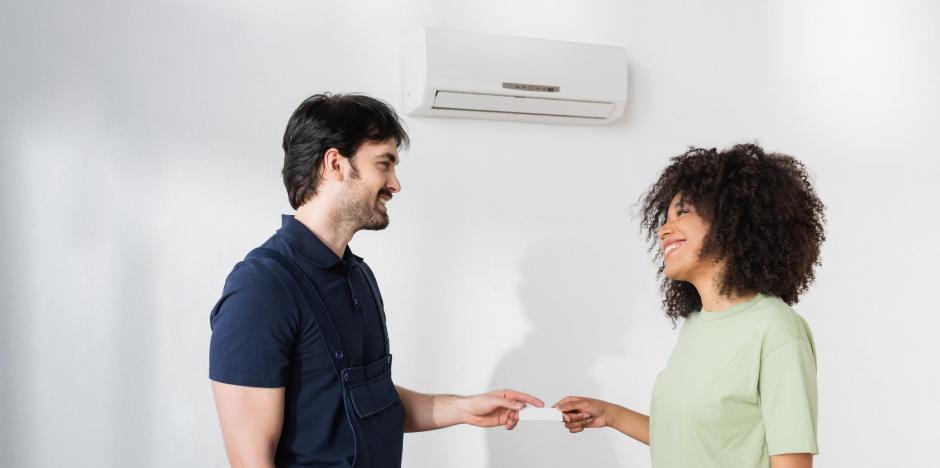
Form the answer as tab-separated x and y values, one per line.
764	219
324	121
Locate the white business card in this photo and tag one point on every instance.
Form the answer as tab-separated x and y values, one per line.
531	413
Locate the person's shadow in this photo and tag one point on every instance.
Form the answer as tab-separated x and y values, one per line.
573	295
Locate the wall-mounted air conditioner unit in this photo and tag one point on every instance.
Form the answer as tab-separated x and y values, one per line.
462	74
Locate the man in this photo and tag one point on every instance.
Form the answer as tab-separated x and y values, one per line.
299	357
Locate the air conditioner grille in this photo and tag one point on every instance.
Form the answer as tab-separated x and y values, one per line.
478	102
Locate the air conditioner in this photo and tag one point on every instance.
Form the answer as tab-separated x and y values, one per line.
463	74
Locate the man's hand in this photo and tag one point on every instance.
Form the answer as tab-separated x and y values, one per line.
499	408
427	412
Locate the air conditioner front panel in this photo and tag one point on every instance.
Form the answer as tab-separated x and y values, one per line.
489	58
465	75
460	101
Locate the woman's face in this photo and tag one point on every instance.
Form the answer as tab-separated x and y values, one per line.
681	240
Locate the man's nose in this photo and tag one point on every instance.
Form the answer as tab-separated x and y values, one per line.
393	185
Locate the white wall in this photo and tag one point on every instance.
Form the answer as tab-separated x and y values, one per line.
140	161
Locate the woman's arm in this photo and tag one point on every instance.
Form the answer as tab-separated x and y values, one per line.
581	413
792	460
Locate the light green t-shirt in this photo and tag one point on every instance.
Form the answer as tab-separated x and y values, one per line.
740	386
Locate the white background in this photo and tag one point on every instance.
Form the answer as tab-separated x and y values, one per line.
141	155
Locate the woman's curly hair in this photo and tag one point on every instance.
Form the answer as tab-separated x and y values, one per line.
764	219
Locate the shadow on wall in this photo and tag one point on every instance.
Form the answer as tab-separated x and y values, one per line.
15	363
136	305
573	295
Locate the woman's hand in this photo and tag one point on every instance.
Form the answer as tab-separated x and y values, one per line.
581	412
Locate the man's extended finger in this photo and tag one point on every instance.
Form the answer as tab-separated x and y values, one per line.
523	397
509	404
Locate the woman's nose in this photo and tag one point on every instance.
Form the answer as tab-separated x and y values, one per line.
665	230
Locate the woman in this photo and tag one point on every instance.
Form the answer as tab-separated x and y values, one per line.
739	233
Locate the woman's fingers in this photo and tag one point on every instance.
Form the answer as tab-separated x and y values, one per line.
567	403
576	416
578	421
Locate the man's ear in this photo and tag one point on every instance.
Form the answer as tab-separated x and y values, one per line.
332	165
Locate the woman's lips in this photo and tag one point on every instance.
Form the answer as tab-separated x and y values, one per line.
672	247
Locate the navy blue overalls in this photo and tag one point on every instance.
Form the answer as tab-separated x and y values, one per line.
373	409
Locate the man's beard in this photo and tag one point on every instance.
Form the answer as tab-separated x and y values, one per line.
360	209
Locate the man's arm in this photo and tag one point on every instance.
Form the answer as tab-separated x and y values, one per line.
251	419
425	412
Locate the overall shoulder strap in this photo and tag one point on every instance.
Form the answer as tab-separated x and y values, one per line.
319	312
374	286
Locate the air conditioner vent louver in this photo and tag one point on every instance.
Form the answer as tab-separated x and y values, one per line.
448	100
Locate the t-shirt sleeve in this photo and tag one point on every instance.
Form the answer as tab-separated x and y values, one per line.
253	328
788	397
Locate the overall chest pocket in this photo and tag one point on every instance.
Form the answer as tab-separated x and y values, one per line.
370	387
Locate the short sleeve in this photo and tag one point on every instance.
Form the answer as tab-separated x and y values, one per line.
254	326
788	398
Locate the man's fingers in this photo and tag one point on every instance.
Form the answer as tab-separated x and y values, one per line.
512	421
508	404
523	397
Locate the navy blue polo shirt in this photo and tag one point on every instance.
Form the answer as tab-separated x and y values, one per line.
263	335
